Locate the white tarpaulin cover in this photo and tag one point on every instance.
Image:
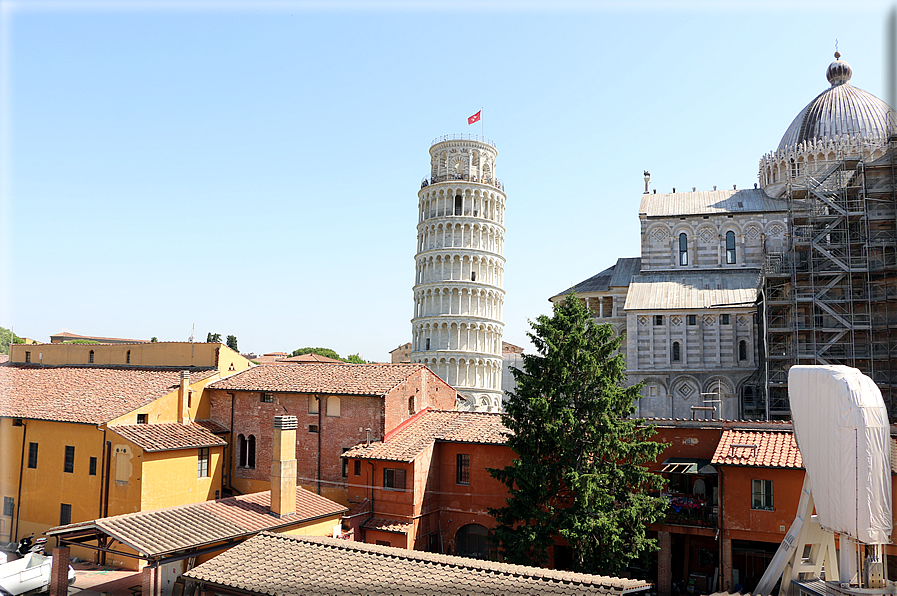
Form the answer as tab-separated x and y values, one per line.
841	428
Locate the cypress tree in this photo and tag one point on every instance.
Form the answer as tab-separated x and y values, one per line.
579	471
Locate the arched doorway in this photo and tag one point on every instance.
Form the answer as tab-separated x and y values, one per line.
472	541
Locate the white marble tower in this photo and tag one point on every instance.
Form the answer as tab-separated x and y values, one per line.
458	297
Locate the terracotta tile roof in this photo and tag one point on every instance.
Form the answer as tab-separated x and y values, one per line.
387	525
164	531
762	449
211	426
428	426
305	358
339	379
168	437
4	358
278	564
89	394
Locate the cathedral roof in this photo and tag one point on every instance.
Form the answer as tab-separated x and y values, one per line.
842	109
698	289
617	275
750	200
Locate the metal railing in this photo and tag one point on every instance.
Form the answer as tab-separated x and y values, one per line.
425	182
462	137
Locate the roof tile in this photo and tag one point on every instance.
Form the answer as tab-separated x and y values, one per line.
339	379
761	449
89	394
429	426
305	565
163	531
167	437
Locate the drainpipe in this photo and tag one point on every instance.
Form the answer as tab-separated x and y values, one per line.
19	494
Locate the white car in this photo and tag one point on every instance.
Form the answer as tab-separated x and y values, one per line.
28	575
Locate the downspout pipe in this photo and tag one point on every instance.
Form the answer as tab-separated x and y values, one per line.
19	493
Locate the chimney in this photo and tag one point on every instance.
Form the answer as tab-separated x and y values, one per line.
283	466
183	395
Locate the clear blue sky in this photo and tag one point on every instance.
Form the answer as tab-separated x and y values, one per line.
253	168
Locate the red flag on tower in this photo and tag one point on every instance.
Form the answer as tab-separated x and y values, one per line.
474	118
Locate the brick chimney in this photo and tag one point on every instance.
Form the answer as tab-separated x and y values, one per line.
183	398
283	466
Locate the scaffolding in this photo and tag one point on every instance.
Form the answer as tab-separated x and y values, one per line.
831	297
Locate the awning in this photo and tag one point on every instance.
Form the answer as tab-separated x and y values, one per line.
687	465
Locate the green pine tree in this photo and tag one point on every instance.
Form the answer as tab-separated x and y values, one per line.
232	343
579	471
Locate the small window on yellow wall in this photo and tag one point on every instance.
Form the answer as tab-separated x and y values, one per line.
313	404
333	406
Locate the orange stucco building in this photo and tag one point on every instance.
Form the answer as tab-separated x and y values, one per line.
426	485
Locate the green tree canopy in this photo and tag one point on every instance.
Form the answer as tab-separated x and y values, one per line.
8	337
232	343
579	471
327	352
213	338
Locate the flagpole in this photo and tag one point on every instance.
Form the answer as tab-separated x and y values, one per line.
482	125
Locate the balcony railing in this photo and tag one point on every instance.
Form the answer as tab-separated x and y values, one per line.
690	510
462	137
462	178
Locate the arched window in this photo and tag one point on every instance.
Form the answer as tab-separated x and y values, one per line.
742	350
90	357
730	248
683	249
677	354
250	452
241	451
472	541
459	202
411	406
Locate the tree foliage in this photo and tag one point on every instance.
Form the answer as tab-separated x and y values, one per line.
328	353
579	471
232	343
8	337
213	338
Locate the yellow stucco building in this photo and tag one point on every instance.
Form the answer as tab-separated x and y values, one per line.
89	431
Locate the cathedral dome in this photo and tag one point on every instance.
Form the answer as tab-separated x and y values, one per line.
842	109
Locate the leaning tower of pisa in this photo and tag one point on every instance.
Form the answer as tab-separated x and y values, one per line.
458	296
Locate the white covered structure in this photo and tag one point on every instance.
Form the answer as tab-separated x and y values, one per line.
841	428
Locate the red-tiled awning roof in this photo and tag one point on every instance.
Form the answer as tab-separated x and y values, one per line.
761	449
339	379
388	525
185	527
88	394
168	437
281	565
430	426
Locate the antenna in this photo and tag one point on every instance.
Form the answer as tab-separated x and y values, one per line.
192	333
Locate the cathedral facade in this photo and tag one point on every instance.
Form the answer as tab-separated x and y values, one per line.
733	287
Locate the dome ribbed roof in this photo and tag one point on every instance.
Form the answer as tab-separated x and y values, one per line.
840	110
